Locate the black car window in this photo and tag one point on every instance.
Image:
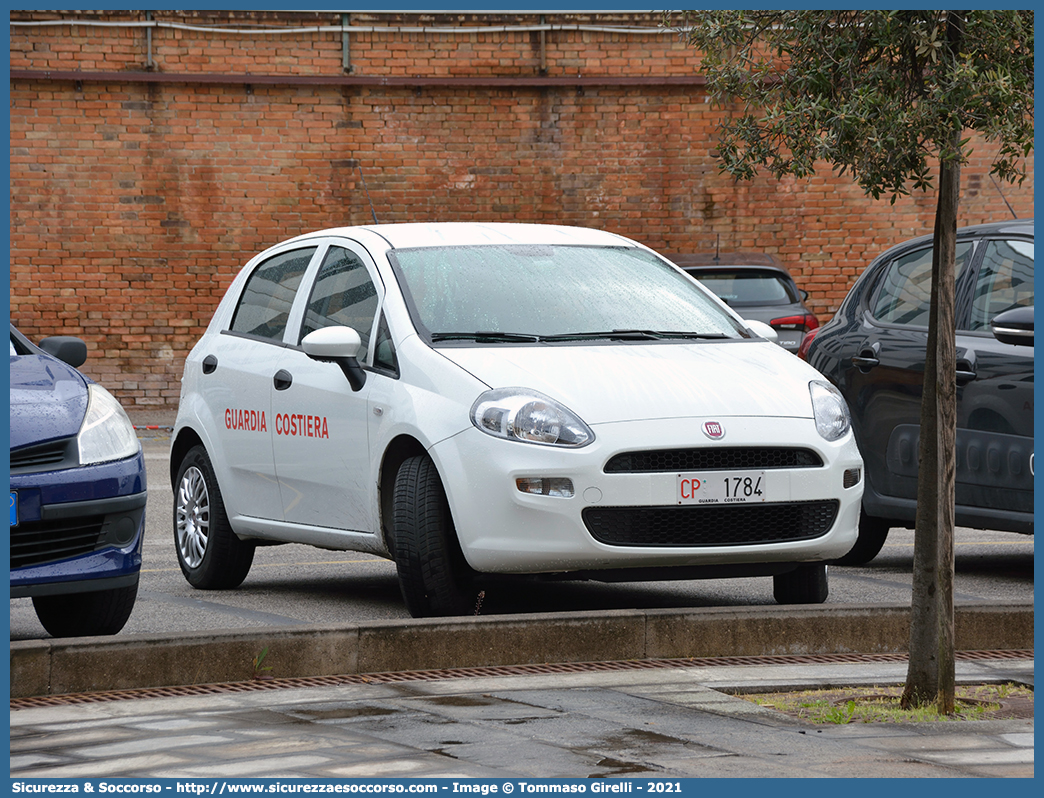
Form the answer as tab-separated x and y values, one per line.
748	287
344	295
1005	281
264	307
905	289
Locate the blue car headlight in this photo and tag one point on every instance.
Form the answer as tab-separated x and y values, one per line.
106	433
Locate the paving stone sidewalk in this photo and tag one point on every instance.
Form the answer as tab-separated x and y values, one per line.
659	723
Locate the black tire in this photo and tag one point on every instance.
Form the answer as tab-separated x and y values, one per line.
805	585
872	534
102	612
434	577
209	553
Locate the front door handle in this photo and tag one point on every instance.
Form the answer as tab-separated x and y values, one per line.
865	360
283	379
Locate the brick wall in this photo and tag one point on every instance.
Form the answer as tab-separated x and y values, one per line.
140	185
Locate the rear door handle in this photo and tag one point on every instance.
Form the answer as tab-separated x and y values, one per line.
283	379
965	372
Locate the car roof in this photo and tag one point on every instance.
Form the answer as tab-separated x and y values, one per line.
1012	227
442	234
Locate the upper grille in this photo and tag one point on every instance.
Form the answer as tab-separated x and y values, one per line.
712	458
49	456
710	525
38	542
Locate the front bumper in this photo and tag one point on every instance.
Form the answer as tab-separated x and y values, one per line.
78	530
503	530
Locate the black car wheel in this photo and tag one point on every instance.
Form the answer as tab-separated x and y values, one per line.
433	575
102	612
872	534
209	553
807	584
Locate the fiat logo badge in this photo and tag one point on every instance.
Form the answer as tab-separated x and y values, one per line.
713	430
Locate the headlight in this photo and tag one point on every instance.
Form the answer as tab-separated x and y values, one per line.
106	434
519	414
830	410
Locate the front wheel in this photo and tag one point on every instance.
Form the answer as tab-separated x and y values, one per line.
872	534
209	553
807	584
102	612
434	577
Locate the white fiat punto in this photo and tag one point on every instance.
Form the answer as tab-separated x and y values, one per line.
485	401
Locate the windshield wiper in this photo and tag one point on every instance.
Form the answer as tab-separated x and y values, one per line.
487	337
630	335
494	337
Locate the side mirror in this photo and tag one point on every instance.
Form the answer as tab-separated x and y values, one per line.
1014	326
762	330
338	345
66	348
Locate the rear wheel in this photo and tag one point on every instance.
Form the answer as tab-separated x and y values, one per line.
434	577
209	553
872	534
807	584
103	612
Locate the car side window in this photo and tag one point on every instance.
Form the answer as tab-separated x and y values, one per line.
1005	281
384	356
905	291
343	295
264	307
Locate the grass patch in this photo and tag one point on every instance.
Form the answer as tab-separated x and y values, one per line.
881	704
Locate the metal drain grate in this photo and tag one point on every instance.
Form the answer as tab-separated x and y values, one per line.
490	671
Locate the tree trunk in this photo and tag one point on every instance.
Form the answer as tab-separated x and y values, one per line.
930	677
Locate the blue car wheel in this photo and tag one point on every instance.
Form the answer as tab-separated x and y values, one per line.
101	612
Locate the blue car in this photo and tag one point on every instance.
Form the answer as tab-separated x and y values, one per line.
77	492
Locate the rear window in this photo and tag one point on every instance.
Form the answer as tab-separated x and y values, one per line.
746	287
264	307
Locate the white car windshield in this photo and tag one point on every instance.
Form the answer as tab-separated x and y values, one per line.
547	293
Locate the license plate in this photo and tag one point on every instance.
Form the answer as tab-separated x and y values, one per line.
14	509
724	487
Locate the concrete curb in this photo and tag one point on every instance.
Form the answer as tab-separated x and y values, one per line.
78	665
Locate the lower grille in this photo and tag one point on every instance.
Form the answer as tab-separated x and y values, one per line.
39	542
714	525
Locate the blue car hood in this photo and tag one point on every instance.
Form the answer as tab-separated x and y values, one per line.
48	400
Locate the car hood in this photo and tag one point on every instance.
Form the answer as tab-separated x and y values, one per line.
48	400
633	382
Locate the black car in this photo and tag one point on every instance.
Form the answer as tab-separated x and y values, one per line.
758	287
873	350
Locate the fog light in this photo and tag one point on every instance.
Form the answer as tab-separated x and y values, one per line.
852	476
546	486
